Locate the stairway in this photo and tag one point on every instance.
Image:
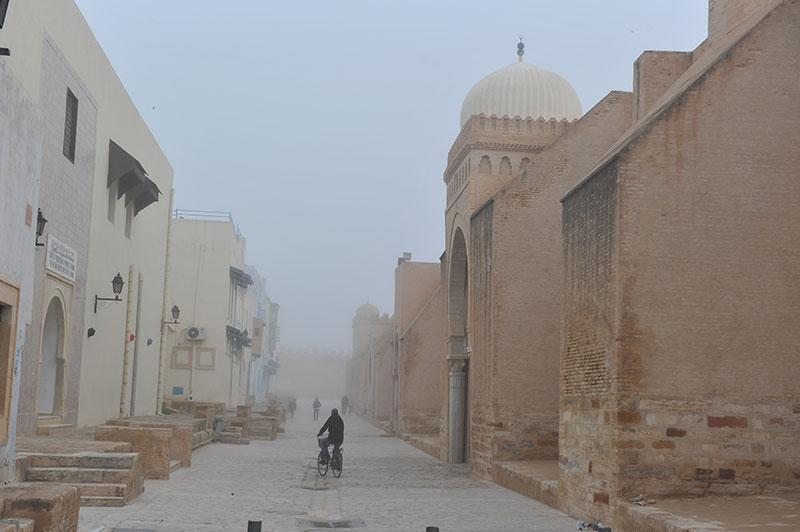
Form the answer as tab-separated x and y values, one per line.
103	479
49	425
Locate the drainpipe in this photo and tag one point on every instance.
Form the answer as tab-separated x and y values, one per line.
123	397
200	255
136	345
162	346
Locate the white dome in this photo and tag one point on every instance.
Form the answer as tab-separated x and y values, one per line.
522	90
368	311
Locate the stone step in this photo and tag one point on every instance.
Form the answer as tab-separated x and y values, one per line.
103	501
50	430
237	441
93	489
45	420
82	460
78	475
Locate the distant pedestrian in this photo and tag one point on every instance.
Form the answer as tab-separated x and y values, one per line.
345	405
316	406
292	406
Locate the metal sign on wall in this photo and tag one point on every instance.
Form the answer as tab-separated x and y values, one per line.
61	259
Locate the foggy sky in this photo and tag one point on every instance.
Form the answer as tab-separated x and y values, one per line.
324	125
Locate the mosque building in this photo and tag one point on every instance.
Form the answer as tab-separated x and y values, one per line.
618	288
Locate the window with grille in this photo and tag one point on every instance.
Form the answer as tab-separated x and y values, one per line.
70	126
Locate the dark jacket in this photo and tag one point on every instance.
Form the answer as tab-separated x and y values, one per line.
335	428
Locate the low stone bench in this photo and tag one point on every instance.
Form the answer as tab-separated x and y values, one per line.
51	507
154	446
537	479
180	440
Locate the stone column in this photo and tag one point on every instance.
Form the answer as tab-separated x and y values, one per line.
457	408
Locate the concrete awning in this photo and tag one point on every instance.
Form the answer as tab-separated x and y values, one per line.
131	178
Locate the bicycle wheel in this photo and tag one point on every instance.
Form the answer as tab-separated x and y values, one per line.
336	465
322	467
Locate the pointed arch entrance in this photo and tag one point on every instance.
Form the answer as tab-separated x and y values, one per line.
457	349
51	367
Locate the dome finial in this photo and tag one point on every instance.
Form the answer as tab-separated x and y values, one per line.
520	49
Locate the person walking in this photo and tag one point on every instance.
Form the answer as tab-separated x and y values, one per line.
345	405
316	406
292	406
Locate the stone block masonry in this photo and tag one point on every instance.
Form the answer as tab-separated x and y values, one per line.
52	508
180	437
154	446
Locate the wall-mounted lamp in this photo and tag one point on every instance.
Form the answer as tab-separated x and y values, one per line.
116	285
41	221
176	312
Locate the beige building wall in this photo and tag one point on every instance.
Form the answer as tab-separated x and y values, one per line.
420	339
33	28
680	352
20	143
372	362
202	255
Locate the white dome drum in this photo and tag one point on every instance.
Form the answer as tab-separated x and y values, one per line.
522	90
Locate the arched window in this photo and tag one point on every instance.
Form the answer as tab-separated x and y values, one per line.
485	166
505	166
523	166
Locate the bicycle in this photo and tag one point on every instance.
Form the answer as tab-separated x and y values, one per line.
327	460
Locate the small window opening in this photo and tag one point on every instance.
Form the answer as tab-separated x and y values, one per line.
70	126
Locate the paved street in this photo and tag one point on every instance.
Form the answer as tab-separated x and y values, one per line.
386	485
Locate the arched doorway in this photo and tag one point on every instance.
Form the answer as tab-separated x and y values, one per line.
52	356
457	352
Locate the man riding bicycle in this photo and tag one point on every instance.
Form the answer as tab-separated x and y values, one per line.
335	427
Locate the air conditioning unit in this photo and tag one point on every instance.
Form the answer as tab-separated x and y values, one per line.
196	333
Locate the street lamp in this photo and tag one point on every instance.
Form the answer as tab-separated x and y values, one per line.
176	312
41	221
116	285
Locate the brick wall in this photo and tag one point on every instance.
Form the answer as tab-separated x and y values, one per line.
479	382
709	277
586	429
653	73
679	373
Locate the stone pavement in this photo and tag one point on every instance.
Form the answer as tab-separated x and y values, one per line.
386	485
